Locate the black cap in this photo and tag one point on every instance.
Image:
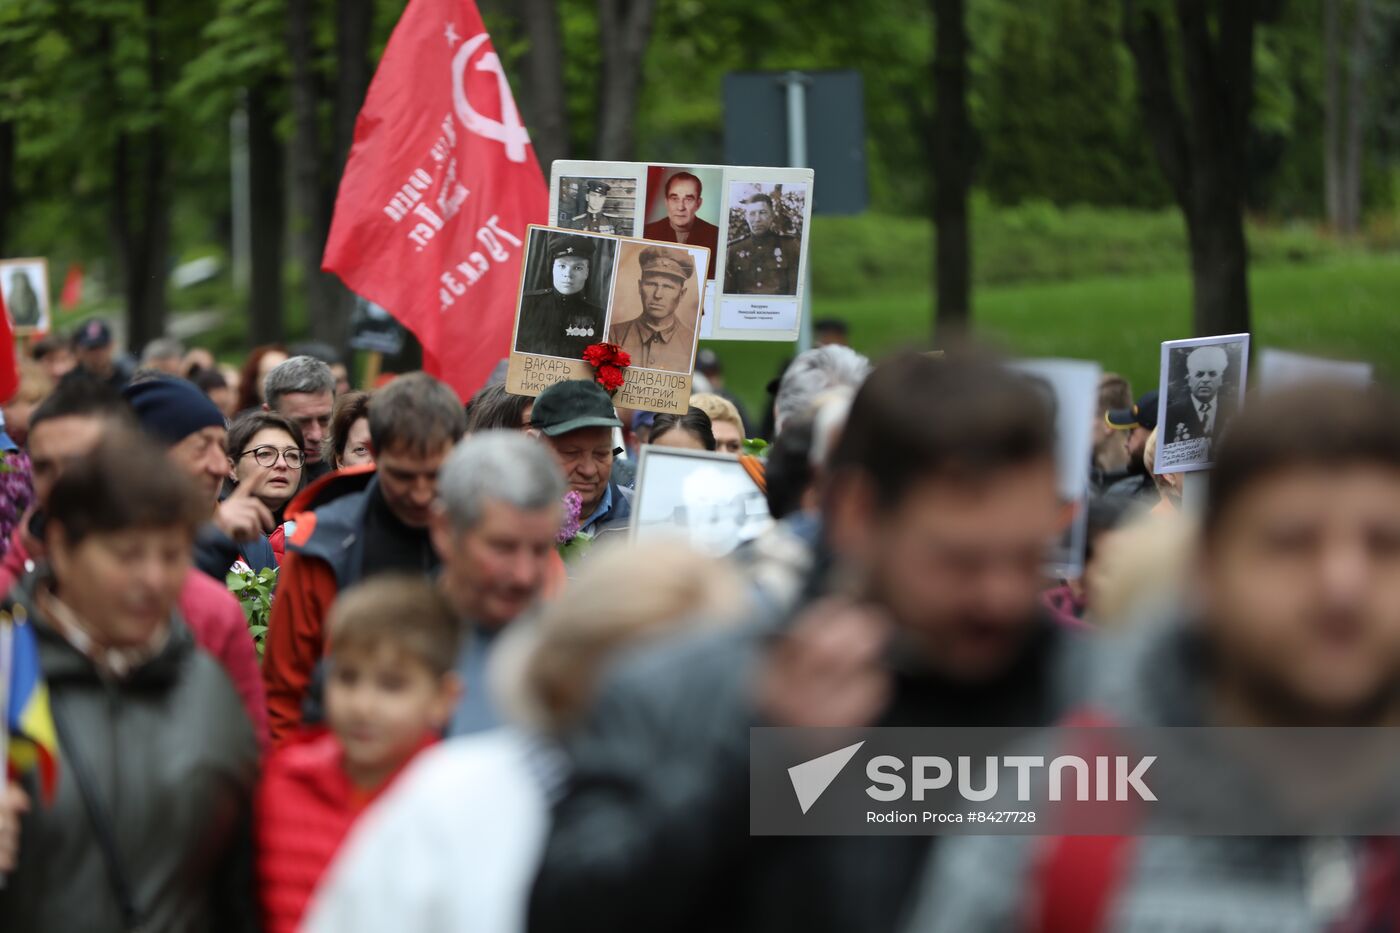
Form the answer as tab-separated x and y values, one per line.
1141	415
93	334
597	184
567	244
572	405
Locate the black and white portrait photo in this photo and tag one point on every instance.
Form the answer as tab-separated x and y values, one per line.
24	284
564	298
1204	381
597	205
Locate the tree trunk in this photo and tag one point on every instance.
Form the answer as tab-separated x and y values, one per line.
952	171
7	182
354	19
1355	121
308	198
268	217
1332	168
544	76
1219	260
1202	151
142	197
624	27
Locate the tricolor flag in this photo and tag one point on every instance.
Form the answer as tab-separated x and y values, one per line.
31	739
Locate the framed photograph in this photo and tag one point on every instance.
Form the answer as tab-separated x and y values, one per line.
704	498
1073	389
567	282
765	238
679	211
1203	382
597	205
24	284
656	306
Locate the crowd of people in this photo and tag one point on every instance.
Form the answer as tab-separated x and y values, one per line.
450	726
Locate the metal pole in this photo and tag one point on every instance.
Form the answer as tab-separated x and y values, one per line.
796	84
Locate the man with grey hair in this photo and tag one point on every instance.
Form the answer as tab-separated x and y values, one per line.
494	527
165	355
302	390
814	373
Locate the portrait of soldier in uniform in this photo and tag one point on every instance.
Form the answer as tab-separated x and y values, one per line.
596	205
764	262
684	196
663	336
561	320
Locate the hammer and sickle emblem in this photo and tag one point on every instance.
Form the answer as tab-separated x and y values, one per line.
508	131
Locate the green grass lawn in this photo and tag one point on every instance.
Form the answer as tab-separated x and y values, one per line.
1343	306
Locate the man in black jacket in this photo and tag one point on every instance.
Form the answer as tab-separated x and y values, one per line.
939	506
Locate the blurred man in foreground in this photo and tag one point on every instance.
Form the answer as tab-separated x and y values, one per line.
1295	621
940	503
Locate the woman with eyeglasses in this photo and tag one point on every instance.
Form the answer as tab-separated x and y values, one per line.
266	455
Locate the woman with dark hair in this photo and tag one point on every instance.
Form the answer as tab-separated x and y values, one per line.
493	407
266	459
148	823
690	431
348	443
255	369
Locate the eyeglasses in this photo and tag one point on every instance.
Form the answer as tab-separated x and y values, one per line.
267	456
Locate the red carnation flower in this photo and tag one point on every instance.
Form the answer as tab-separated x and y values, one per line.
609	377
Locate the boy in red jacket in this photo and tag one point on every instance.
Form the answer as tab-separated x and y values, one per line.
390	691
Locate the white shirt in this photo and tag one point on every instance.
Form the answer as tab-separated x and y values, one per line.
454	845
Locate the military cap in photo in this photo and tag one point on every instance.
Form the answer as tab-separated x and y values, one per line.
562	245
597	184
663	261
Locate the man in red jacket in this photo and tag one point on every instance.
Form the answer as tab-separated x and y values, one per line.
354	524
68	425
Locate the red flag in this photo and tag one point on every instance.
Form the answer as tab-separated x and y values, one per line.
72	293
9	366
439	187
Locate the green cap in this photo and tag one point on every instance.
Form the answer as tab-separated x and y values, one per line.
573	404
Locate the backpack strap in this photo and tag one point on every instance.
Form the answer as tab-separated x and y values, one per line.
98	819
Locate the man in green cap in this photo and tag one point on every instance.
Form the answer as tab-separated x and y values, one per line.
765	261
661	338
576	419
560	320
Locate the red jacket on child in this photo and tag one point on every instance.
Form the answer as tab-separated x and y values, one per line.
304	810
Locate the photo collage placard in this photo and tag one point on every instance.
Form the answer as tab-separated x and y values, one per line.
753	220
579	288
